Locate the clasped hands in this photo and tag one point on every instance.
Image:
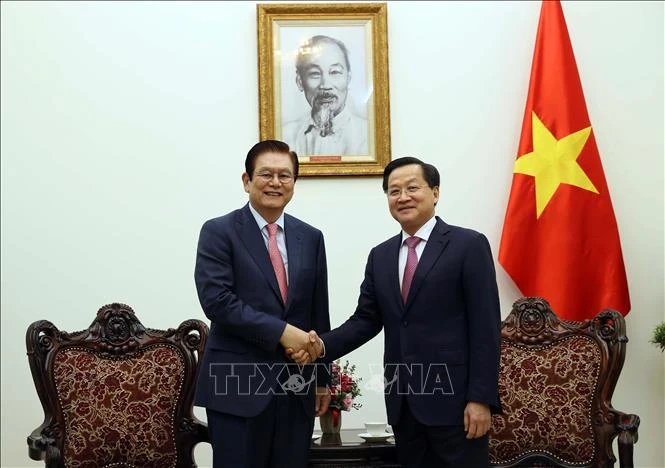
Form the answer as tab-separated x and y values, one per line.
304	348
301	346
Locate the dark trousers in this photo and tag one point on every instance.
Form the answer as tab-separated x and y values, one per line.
279	437
420	446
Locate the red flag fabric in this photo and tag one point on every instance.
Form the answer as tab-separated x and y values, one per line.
560	238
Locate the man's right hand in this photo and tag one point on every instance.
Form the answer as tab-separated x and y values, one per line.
309	353
301	346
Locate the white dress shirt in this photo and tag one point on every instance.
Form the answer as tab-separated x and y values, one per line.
281	237
424	233
349	137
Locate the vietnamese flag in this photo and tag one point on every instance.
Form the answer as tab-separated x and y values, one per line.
560	238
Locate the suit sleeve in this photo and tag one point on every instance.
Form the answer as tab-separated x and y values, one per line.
320	309
484	323
215	285
363	325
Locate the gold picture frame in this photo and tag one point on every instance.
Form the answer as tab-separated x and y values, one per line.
323	85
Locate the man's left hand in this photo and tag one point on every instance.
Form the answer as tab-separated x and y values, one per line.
322	400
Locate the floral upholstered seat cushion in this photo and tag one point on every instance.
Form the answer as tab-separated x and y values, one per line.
546	394
119	412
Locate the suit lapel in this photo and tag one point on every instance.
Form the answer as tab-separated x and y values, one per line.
436	244
392	257
293	251
251	236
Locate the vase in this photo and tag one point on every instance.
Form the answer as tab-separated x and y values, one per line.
331	421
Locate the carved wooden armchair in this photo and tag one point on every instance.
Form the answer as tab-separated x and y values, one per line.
117	394
556	383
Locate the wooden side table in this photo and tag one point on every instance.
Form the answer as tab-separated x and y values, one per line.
348	450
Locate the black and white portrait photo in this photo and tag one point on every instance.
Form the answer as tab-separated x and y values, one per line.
323	85
326	118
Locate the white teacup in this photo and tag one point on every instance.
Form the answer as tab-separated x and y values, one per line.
375	429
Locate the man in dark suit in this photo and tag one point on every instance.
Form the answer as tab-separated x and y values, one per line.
432	288
261	280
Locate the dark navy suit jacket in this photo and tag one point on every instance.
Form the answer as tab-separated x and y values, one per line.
442	347
243	363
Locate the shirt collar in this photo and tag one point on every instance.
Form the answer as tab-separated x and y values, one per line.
424	231
262	222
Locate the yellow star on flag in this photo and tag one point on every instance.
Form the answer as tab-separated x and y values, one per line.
554	162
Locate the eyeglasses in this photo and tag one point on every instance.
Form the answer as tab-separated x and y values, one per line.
410	190
283	177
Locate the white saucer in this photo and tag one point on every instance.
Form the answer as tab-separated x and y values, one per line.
370	438
316	436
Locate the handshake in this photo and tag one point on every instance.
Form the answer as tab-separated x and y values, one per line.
300	346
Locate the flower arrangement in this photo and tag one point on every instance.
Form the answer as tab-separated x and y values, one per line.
343	387
343	390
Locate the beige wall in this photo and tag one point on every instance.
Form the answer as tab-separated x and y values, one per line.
124	127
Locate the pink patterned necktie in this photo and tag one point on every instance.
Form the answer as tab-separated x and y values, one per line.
411	264
276	259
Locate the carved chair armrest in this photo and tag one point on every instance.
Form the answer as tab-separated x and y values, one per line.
36	445
197	430
38	442
203	431
42	447
626	427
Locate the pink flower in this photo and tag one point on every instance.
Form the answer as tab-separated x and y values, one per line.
348	400
346	383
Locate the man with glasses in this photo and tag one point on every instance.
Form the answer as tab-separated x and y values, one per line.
432	289
261	279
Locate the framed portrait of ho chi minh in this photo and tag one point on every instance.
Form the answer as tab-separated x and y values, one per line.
323	85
